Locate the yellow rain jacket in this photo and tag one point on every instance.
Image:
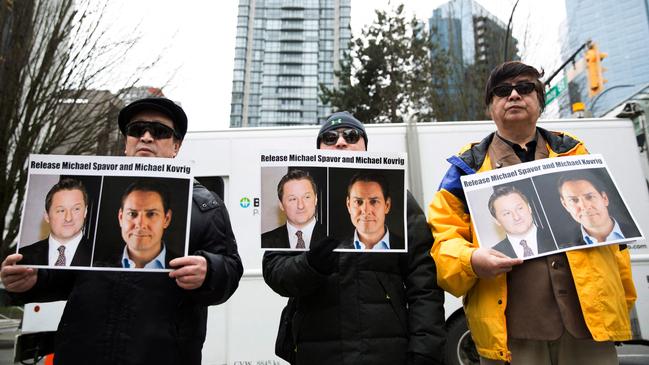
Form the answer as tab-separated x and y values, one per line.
602	275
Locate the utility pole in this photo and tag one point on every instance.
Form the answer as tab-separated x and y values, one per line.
509	26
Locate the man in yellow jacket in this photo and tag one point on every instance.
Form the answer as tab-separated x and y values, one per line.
564	308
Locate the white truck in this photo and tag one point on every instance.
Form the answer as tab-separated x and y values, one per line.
243	330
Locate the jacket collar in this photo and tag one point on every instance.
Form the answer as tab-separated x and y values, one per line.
471	159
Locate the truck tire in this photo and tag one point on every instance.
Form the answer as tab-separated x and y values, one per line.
460	349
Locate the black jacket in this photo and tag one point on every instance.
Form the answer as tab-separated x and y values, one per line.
544	241
278	237
37	253
144	318
628	230
379	308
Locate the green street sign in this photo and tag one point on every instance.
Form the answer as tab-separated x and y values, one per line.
556	90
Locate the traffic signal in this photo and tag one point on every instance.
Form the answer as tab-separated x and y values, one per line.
595	70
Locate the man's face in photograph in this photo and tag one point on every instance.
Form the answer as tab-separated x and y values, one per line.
513	214
298	202
585	204
367	207
143	220
66	214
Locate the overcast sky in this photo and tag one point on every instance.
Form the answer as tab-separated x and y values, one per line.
197	43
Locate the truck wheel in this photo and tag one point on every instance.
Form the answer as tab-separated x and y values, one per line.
460	349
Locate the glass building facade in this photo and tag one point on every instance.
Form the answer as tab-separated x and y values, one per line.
474	40
620	28
284	50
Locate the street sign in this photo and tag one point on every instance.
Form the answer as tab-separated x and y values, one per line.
556	90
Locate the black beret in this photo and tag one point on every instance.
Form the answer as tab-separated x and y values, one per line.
341	120
162	105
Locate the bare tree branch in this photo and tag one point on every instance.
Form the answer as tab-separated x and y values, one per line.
55	57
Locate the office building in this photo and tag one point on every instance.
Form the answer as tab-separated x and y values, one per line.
620	29
284	50
473	42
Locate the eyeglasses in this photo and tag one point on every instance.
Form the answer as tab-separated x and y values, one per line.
156	129
504	90
350	135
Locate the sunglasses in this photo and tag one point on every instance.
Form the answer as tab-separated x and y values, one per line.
156	129
504	90
350	135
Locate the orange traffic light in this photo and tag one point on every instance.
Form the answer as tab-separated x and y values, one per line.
595	70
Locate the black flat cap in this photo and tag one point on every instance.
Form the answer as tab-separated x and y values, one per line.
162	105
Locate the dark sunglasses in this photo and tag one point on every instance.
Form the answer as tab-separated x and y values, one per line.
350	135
156	129
504	90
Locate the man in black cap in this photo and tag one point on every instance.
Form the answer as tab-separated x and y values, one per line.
142	318
359	308
342	124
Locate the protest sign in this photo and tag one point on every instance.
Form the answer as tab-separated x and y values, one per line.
358	198
113	213
541	207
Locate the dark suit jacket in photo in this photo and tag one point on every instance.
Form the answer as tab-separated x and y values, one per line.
396	242
37	253
628	230
278	237
544	242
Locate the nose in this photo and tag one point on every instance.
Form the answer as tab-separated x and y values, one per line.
514	95
580	204
341	143
146	137
516	216
300	203
68	216
139	220
586	203
365	207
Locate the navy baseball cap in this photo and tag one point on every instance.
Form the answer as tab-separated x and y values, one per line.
162	105
341	120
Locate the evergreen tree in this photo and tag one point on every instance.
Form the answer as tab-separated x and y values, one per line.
388	75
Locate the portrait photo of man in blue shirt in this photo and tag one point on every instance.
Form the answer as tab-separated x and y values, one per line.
368	203
587	201
143	217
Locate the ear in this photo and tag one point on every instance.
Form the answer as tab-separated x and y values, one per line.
488	111
388	205
85	211
167	221
281	206
563	202
119	217
177	144
497	223
605	198
46	218
348	204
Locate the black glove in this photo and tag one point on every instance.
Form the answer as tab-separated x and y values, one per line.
321	256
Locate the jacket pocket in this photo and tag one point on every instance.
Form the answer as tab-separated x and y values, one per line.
395	300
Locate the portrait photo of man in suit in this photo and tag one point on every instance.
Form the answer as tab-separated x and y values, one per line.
587	201
297	194
368	203
143	217
511	211
66	207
